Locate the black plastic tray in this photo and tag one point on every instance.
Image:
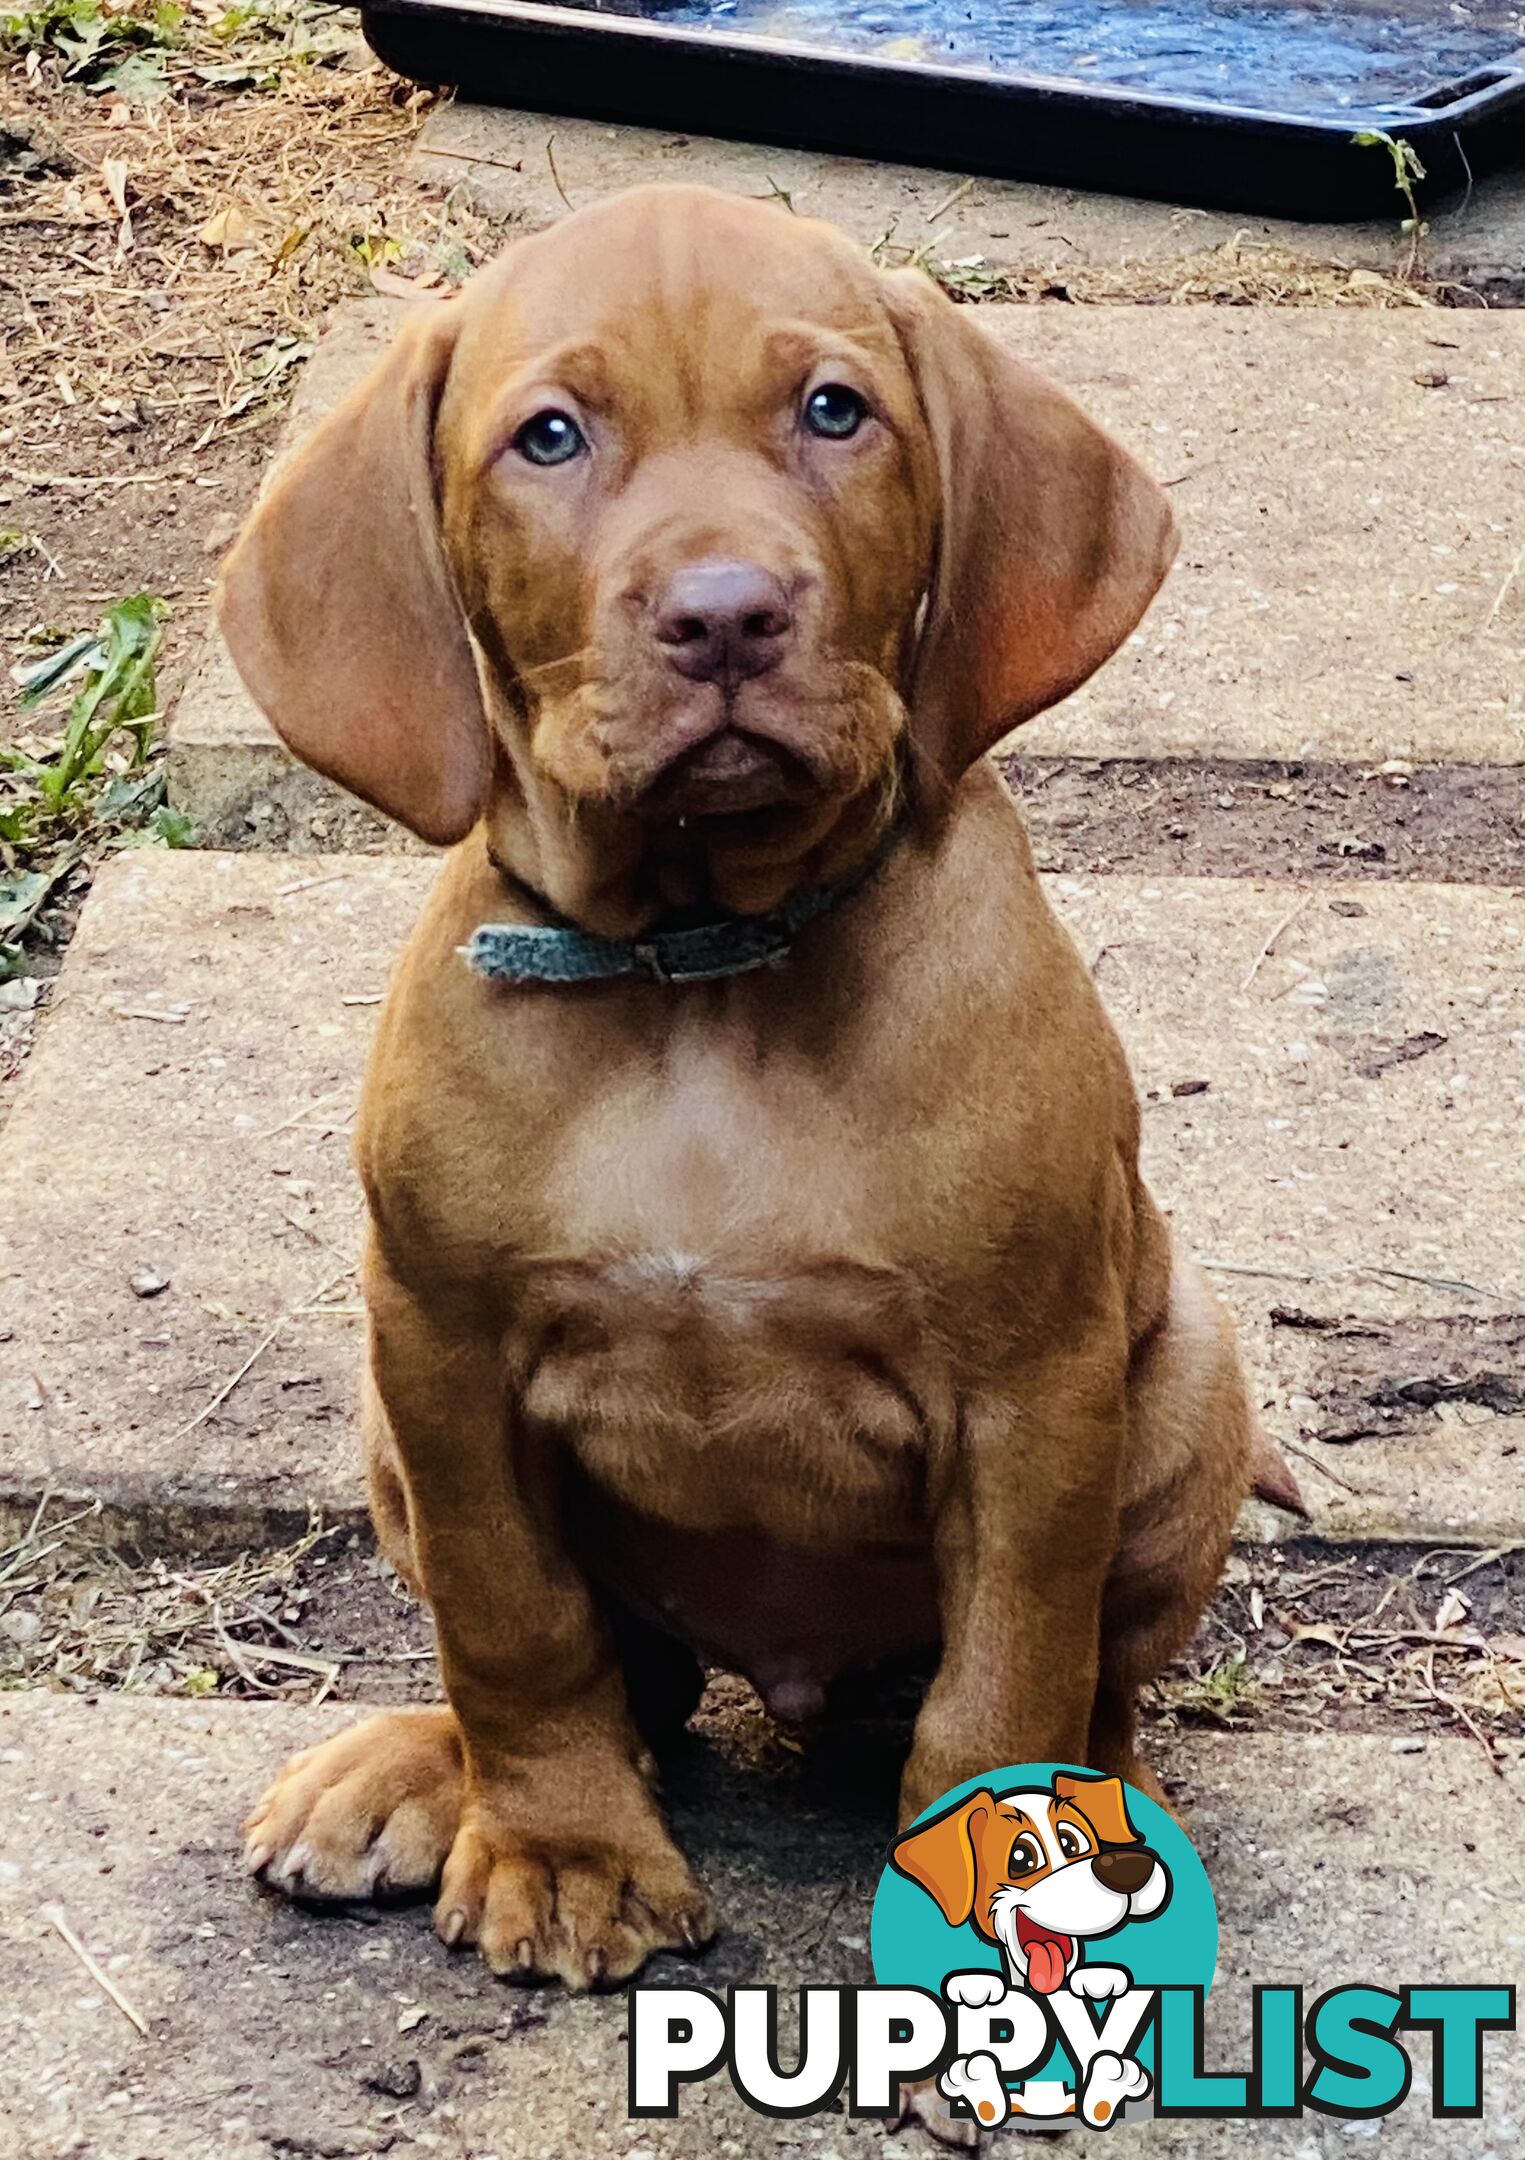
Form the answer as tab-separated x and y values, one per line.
622	67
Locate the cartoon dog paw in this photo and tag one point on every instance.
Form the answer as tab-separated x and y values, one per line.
1099	1982
977	2079
1110	2084
975	1990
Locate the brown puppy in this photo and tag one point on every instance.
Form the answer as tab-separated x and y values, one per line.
806	1314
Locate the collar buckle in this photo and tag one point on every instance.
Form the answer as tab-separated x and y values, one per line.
647	954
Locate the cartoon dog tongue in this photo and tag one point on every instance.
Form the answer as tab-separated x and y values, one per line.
1048	1955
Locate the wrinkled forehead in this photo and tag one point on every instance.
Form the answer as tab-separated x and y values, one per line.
675	305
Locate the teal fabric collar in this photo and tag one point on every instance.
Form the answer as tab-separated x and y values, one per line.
705	952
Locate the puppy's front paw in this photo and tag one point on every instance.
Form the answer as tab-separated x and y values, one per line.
1099	1983
371	1811
548	1905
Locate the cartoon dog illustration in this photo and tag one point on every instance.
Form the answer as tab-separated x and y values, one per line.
1039	1873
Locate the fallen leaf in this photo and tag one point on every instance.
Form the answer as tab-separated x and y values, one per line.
401	288
1401	1053
228	229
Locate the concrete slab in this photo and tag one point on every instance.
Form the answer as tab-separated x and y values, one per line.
273	2031
501	159
1352	1158
1344	588
1346	532
228	770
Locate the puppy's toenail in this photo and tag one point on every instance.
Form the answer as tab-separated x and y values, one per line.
524	1956
598	1965
258	1857
453	1927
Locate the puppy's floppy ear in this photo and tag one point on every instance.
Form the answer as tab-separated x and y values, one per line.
939	1855
1104	1805
1052	540
338	609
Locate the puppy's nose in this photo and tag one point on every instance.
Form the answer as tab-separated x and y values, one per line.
724	621
1124	1871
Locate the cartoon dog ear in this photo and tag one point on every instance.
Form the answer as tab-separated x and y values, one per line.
939	1855
1104	1805
1053	540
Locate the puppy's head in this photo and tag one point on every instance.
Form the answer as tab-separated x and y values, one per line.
1038	1872
685	530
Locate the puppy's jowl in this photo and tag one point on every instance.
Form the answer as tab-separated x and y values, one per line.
758	1266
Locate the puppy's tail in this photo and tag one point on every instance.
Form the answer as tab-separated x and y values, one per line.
1271	1475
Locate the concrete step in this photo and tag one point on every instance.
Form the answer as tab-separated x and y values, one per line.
1334	1860
1332	1100
501	161
1344	586
228	770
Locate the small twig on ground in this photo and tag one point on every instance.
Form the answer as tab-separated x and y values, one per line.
1269	946
299	1117
1487	1559
1341	1274
949	201
305	1304
1463	1715
310	884
53	1914
1333	1476
550	159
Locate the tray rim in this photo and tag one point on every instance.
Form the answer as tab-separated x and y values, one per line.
1505	78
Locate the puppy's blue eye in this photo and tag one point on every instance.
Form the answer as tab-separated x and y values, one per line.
835	412
550	438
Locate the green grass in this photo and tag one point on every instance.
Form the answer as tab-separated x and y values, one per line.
132	49
94	784
1228	1689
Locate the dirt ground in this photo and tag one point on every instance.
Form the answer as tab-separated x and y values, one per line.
177	216
1302	1637
1240	817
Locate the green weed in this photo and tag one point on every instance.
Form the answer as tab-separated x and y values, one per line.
119	49
1229	1688
1407	173
92	786
131	49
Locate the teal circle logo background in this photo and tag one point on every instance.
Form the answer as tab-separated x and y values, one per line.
913	1945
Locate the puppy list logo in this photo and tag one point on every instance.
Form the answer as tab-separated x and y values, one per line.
1049	1921
1044	1940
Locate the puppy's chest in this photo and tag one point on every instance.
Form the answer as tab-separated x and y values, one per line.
727	1326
